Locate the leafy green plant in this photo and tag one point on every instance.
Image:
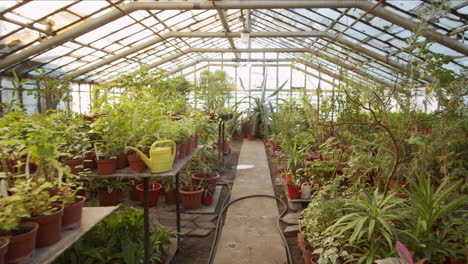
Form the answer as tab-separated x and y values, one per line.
367	223
260	109
12	210
437	227
35	196
320	214
118	239
215	90
405	256
108	184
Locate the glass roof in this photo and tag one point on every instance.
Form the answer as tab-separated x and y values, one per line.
165	40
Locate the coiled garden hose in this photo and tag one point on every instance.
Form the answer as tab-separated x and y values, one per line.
221	218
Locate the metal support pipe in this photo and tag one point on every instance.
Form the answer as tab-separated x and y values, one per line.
309	64
354	46
224	21
330	59
234	4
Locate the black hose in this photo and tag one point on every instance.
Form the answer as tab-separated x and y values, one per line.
221	218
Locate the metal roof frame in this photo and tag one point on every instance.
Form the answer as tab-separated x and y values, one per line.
217	22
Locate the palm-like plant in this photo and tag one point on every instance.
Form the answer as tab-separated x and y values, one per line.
261	109
368	224
438	231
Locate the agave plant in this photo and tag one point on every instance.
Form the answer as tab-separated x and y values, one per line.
260	111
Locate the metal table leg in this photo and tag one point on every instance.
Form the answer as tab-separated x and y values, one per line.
178	208
146	220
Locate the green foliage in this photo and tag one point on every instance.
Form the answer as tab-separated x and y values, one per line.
439	229
34	196
12	210
367	224
118	239
108	184
215	90
319	215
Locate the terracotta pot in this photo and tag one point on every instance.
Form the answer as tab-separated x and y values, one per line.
136	163
309	258
191	196
50	227
207	199
108	198
71	218
21	247
453	260
212	180
4	241
171	197
121	161
250	137
89	161
182	150
294	192
287	178
106	166
195	144
153	193
134	194
188	147
73	164
192	143
177	155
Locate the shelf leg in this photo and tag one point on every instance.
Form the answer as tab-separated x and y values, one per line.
178	208
146	220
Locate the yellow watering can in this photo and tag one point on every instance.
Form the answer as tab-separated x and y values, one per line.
161	158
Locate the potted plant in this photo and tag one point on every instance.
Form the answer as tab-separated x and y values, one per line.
134	194
106	160
108	190
39	203
73	205
208	191
4	241
153	192
21	237
170	188
191	196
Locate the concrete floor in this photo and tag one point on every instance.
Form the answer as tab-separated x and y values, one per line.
250	234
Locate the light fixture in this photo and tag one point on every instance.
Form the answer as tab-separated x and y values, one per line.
245	36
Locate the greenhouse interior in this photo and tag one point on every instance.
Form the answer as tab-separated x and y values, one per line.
229	131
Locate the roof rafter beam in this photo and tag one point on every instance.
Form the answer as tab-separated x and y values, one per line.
328	35
307	63
234	4
223	18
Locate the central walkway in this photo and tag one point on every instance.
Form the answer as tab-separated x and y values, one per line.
250	234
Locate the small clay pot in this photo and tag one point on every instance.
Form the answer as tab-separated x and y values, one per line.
136	163
108	198
250	137
207	199
50	227
191	196
106	166
4	241
171	197
72	214
22	246
76	165
182	151
153	193
294	192
134	194
121	161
